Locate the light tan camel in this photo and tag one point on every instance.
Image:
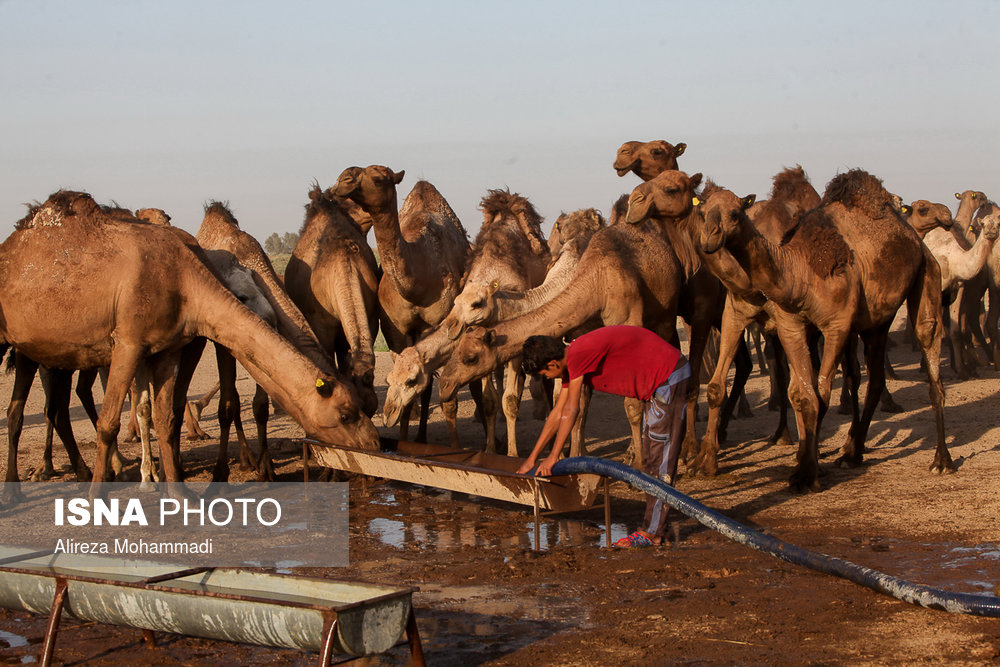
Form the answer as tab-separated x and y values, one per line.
629	274
847	266
970	295
119	293
333	278
424	251
959	263
509	254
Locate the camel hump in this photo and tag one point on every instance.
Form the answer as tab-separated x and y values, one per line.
498	204
790	182
821	242
861	191
425	199
59	207
219	212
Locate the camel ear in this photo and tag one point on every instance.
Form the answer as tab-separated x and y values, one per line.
398	176
490	337
324	387
958	195
695	181
679	149
748	201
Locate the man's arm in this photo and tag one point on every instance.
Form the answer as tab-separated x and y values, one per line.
549	429
562	418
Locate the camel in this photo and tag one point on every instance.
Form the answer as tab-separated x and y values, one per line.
629	274
577	224
703	296
847	266
510	254
970	295
424	251
333	278
647	159
485	305
121	294
989	214
791	194
933	222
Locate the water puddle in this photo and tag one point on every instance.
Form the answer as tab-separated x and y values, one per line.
12	640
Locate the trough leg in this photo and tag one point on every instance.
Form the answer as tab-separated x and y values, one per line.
607	515
54	617
537	530
149	638
329	633
413	637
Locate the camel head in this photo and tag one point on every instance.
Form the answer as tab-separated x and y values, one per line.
569	226
668	196
974	197
334	415
474	356
373	188
722	214
407	380
987	221
925	216
647	159
474	305
154	216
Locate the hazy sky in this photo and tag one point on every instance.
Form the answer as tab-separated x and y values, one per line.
173	104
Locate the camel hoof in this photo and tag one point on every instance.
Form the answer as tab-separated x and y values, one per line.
265	471
844	409
147	485
848	461
220	473
83	474
941	467
42	474
11	494
803	483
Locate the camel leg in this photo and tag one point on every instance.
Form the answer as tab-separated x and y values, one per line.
490	408
513	387
781	436
192	413
124	361
852	380
875	346
47	470
737	398
450	411
700	330
24	375
169	384
57	412
888	403
85	392
142	408
733	324
924	308
992	328
261	412
803	395
633	410
228	405
425	409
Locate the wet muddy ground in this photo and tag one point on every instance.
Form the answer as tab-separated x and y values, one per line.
486	598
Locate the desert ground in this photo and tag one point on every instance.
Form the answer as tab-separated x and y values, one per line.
487	598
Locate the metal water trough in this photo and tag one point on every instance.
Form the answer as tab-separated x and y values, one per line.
235	605
469	471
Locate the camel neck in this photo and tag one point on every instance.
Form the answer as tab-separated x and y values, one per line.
412	272
766	265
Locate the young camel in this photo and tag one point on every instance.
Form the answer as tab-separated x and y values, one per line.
509	254
120	294
333	278
424	251
627	275
847	266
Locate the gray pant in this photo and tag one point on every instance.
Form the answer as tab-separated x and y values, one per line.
662	435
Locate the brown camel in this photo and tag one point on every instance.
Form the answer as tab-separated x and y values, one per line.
424	251
509	254
647	159
627	275
578	224
486	305
121	293
791	194
847	266
333	278
703	297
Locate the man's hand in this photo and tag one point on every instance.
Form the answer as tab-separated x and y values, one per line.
545	467
526	467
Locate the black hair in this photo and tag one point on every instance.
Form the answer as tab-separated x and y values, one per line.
538	351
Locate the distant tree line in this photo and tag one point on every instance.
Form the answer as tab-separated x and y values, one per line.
280	244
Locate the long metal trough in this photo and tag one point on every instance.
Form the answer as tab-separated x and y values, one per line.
244	606
469	471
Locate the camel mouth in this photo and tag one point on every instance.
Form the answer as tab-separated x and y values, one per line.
624	170
390	413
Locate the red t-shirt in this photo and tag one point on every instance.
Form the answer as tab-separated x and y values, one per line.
622	360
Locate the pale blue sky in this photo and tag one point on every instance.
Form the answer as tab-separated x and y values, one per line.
172	104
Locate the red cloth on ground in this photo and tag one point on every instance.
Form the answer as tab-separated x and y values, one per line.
622	360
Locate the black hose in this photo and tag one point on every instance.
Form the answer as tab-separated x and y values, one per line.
933	598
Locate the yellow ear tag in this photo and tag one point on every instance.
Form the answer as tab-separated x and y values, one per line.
496	284
320	384
695	201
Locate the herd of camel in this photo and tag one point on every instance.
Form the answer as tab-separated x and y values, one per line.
88	287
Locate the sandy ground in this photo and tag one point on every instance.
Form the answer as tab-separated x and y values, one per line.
487	598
